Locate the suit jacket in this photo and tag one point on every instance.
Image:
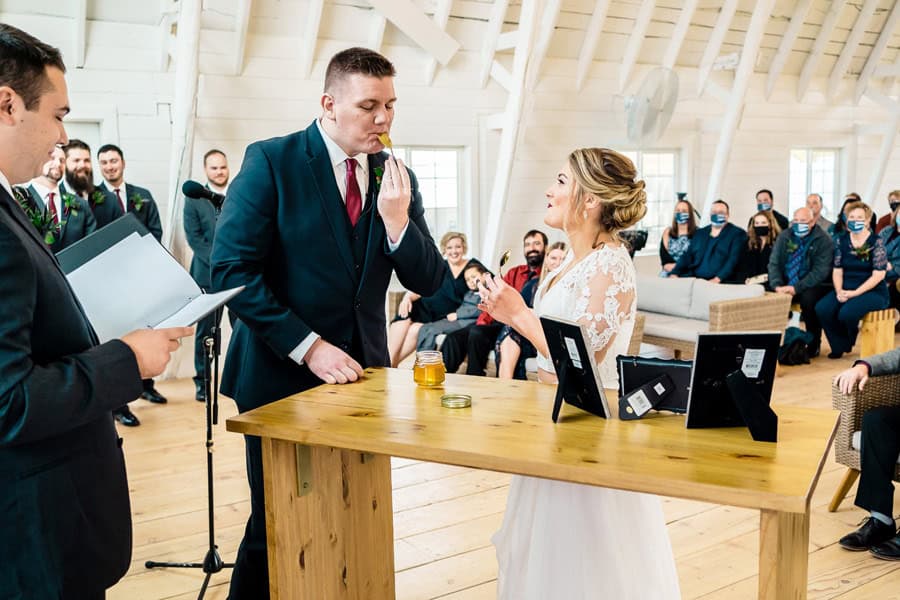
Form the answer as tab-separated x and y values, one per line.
818	260
284	233
140	202
725	252
887	363
64	510
75	223
105	207
200	229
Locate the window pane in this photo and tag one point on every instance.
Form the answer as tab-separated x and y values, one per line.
658	170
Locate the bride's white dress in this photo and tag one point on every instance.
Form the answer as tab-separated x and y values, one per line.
566	541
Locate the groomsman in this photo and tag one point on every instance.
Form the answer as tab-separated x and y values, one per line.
139	201
71	215
200	218
130	198
80	181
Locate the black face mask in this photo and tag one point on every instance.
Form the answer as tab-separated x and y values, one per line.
894	206
534	259
761	230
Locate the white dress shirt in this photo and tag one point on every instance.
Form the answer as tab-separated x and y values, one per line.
44	193
5	183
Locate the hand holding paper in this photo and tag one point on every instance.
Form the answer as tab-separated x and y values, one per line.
153	347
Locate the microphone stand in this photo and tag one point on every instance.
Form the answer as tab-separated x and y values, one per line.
212	562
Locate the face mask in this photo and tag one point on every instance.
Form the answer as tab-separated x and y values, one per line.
800	229
761	230
763	206
856	226
682	217
718	220
894	206
897	220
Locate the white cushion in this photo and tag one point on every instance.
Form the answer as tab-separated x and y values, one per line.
668	296
855	442
704	293
676	328
531	365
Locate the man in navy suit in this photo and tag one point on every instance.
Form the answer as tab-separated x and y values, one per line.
715	250
313	226
80	181
72	216
64	510
200	218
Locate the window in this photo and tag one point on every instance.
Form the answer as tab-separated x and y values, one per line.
437	170
659	170
814	170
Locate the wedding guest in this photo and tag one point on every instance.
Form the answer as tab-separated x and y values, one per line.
762	230
860	262
840	225
814	204
466	314
80	181
765	202
800	267
888	219
890	237
715	249
414	310
677	237
131	198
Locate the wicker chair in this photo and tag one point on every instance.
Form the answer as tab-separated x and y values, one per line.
878	391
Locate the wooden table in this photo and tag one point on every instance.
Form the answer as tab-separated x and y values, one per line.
326	459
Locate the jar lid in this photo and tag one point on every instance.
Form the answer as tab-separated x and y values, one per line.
456	400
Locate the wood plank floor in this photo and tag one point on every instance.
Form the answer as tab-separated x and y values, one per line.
445	515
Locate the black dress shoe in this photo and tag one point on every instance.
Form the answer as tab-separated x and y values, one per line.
153	396
872	533
126	417
834	354
889	550
200	396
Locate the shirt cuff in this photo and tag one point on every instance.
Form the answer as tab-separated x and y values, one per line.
862	362
298	353
392	246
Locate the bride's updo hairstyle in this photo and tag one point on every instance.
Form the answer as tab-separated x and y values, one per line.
610	177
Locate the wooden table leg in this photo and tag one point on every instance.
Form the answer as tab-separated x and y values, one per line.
336	538
783	555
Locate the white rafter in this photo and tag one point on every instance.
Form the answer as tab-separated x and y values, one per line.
884	155
507	40
633	48
419	27
715	42
875	55
850	46
80	32
441	16
376	32
888	85
495	24
310	35
818	49
241	25
885	102
548	25
591	38
786	45
742	76
678	34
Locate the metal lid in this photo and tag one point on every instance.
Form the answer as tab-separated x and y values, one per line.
456	400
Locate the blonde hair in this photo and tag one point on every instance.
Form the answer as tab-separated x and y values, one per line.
452	235
859	205
554	246
610	177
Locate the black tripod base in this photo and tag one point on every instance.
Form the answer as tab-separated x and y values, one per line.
212	563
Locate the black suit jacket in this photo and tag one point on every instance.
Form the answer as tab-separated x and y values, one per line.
140	202
284	233
725	253
75	223
64	510
104	205
200	229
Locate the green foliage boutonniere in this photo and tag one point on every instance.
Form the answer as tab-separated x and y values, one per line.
70	205
41	219
792	246
97	198
137	201
379	173
864	252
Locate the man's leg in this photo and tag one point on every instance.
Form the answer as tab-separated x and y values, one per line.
807	300
481	342
454	348
250	577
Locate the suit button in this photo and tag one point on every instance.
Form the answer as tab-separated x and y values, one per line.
358	267
355	237
357	304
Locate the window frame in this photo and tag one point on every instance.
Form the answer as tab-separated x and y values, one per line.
829	210
652	247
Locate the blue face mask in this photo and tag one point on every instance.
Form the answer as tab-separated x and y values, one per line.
856	226
897	220
763	206
800	229
718	220
682	217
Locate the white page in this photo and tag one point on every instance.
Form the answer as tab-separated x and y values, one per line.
131	285
198	308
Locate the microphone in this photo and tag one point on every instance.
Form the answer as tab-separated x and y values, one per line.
192	189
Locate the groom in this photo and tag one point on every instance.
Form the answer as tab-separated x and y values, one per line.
313	225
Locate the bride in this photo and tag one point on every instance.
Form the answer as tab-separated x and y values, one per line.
565	540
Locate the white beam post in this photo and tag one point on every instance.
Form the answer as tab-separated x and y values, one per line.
441	16
786	45
678	34
850	46
884	154
591	38
715	42
376	33
313	18
80	32
742	76
419	27
633	48
875	55
241	25
495	24
818	49
548	25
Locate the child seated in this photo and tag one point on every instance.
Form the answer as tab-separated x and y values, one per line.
465	315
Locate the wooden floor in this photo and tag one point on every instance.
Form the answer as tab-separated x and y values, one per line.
445	516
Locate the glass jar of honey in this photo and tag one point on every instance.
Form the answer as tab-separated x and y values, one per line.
429	369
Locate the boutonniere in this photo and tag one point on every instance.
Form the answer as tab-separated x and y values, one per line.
864	252
97	198
70	205
379	173
792	246
137	201
41	219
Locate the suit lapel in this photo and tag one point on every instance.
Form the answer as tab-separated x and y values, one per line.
327	190
376	232
18	214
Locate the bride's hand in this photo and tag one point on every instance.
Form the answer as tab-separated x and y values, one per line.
499	299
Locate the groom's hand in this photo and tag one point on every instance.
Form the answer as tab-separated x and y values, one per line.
331	364
394	198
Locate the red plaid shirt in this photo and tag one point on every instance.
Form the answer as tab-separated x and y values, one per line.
516	277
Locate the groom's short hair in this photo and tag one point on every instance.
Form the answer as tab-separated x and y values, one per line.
356	60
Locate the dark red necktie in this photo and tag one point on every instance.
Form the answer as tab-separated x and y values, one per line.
52	206
121	202
354	196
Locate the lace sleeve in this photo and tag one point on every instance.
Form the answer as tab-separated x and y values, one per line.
879	256
837	253
606	299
